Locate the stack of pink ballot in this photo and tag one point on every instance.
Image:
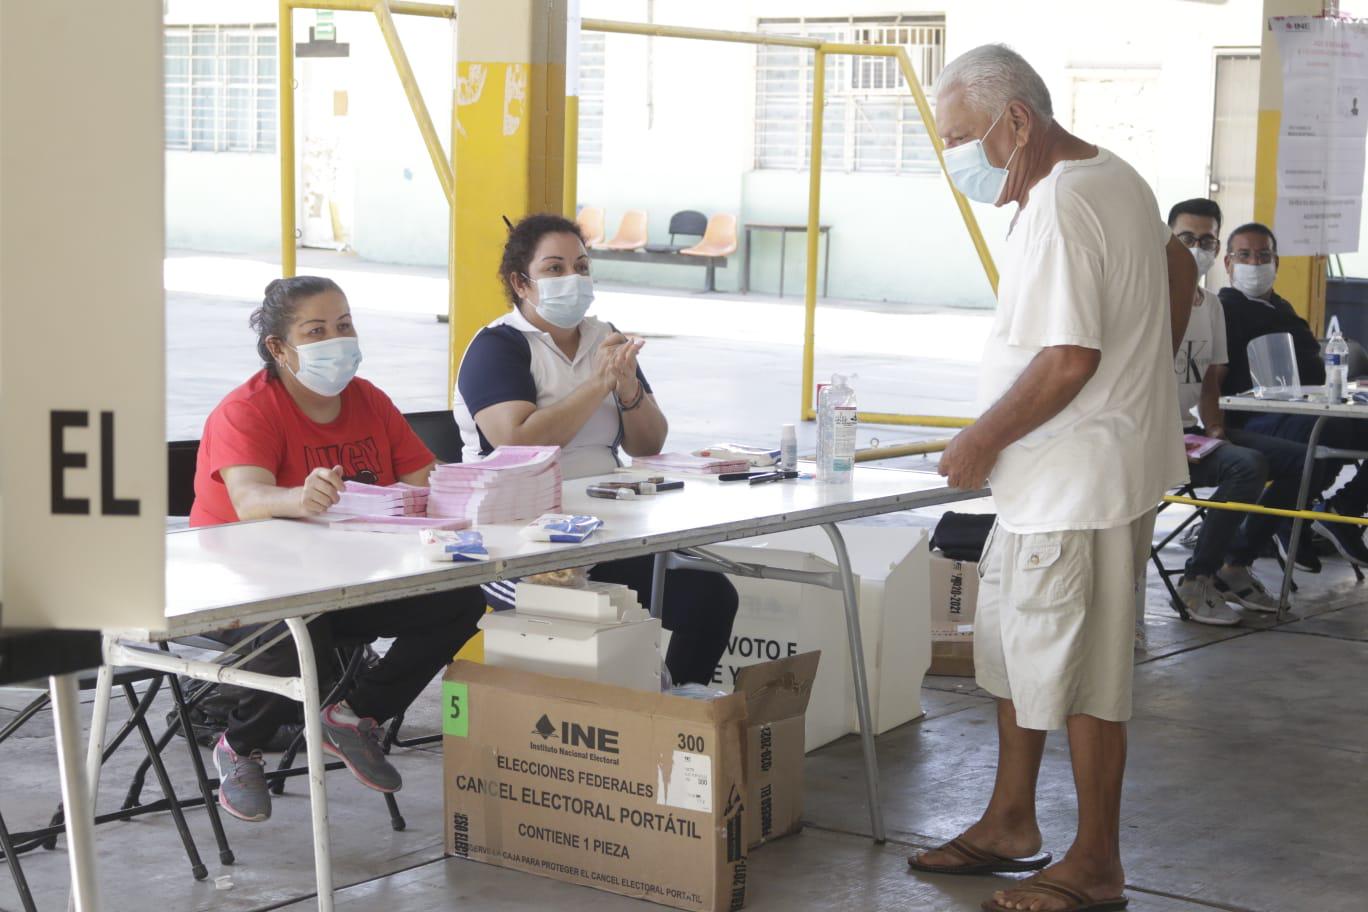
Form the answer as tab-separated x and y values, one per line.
510	484
686	464
400	499
384	508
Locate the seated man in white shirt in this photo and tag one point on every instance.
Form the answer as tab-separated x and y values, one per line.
1236	470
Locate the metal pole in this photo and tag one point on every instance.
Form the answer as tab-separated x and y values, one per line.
313	740
572	54
1294	541
415	98
857	667
453	330
967	214
813	218
671	31
79	812
285	69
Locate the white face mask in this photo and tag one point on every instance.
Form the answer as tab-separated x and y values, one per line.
1205	260
327	367
1254	281
968	166
564	300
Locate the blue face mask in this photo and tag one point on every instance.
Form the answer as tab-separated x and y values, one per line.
564	300
327	367
968	166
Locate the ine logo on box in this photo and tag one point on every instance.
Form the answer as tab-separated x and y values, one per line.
573	734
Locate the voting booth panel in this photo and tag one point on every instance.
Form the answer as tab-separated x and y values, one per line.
777	619
82	426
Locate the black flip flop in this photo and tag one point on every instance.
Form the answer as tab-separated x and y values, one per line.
980	861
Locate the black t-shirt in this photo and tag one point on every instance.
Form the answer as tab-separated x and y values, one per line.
1247	319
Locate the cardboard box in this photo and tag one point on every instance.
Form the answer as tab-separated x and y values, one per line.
777	619
777	695
954	594
634	793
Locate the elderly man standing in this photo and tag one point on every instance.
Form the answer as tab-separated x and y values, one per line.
1079	437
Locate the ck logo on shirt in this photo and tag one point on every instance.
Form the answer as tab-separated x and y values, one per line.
360	459
1185	364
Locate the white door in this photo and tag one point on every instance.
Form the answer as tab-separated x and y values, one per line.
327	177
1233	139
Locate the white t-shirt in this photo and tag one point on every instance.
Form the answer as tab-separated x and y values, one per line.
1085	266
1204	344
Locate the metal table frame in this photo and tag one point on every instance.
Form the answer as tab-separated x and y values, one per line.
298	609
823	231
1322	412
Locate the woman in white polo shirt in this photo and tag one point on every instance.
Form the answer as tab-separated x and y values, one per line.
546	374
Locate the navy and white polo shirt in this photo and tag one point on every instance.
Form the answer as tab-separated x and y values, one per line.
510	360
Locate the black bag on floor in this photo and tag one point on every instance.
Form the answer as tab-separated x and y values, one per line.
961	536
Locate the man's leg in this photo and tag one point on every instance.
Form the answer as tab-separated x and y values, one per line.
1092	866
1238	475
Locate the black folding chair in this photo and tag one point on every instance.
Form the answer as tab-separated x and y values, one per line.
1166	574
685	223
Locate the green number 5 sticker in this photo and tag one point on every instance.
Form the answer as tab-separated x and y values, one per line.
455	709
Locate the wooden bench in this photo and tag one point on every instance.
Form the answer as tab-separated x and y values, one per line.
711	263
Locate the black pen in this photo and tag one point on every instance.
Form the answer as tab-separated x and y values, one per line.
736	476
766	477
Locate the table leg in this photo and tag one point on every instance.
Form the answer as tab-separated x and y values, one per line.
79	812
661	562
99	721
1303	495
783	247
313	740
826	266
745	265
857	665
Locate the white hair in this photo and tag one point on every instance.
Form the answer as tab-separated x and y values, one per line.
992	76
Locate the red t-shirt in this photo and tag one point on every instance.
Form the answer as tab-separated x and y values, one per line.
259	424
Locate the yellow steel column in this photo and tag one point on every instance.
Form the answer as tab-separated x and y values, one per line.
813	221
1301	280
572	47
285	70
509	143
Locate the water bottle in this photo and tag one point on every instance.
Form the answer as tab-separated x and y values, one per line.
1336	364
825	421
838	414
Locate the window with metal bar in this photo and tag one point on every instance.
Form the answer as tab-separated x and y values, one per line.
221	88
870	123
591	68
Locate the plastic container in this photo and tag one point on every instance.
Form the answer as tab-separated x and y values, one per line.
1336	364
837	422
1273	366
788	448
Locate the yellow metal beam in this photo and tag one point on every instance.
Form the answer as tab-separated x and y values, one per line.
925	448
397	7
673	31
285	89
813	220
509	143
415	98
1236	507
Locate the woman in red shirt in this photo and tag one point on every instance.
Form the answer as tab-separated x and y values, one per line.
282	445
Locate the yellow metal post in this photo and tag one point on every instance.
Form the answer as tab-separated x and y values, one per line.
285	70
572	51
1301	280
509	143
415	99
813	220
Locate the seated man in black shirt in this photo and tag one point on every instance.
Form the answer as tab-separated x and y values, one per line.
1252	309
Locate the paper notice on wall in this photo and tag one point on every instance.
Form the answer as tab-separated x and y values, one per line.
1322	134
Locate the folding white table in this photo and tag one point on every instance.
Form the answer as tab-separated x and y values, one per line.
279	570
1322	411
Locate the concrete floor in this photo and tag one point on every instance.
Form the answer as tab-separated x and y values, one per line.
1248	773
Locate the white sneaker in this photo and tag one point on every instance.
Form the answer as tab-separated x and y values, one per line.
1238	585
1204	604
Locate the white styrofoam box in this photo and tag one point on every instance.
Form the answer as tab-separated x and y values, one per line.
593	602
626	654
777	619
891	566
